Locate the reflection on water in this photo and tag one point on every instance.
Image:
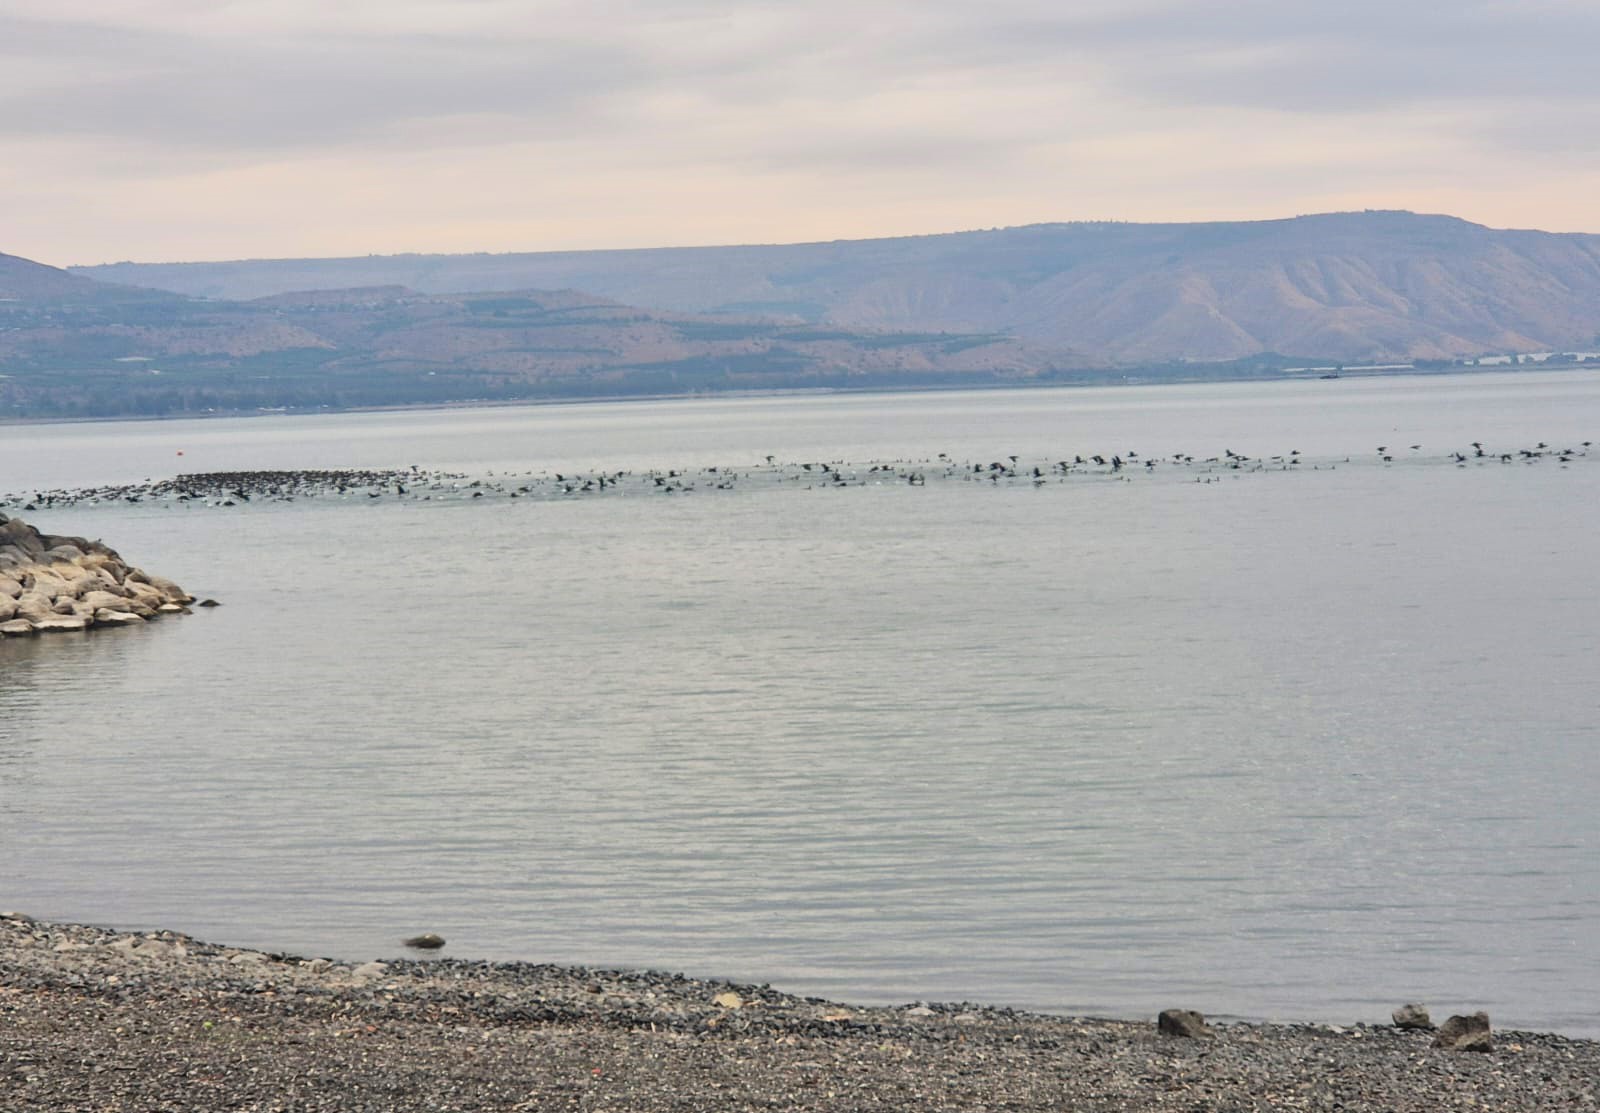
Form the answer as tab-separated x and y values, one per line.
23	685
45	684
1293	745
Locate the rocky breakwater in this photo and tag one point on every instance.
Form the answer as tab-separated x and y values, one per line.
51	584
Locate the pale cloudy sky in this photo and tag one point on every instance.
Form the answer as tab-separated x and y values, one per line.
206	129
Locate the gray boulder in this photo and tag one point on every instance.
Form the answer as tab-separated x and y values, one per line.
171	592
1183	1024
17	628
74	580
1465	1033
101	580
18	533
107	617
34	606
46	582
144	593
61	624
103	600
107	565
1412	1016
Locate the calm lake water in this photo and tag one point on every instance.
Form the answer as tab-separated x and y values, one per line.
1290	744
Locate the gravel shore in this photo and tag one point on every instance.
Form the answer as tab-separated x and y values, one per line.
92	1019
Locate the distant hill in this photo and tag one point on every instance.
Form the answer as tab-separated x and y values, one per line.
1342	286
72	346
24	282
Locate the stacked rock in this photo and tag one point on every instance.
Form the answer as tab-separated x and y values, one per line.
50	584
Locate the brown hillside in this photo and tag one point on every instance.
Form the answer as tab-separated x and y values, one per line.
1348	286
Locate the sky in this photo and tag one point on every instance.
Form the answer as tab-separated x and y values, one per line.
161	130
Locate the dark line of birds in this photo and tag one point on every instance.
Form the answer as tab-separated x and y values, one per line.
1527	455
227	489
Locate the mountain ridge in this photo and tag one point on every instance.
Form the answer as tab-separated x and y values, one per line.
71	346
1303	219
1381	284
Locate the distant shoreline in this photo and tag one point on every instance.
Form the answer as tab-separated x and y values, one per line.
801	392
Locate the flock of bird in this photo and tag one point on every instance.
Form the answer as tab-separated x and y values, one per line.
228	489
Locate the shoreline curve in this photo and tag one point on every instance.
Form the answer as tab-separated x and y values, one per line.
94	1018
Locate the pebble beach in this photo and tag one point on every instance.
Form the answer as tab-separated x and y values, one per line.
98	1019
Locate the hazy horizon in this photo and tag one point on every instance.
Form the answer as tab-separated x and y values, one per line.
769	243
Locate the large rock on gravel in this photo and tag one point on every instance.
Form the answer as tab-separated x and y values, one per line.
1465	1033
1412	1016
143	946
367	971
1183	1024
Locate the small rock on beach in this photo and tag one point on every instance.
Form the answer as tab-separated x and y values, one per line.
1184	1024
1412	1016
